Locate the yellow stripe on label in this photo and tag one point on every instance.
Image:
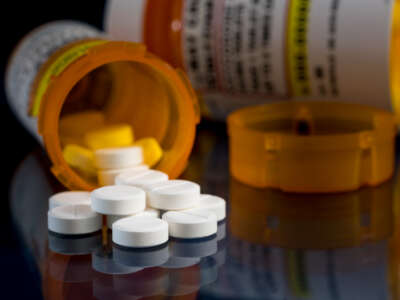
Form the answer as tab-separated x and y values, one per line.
395	61
297	47
56	68
298	274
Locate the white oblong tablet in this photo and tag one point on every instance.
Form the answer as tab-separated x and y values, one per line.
141	179
69	198
174	195
214	204
118	200
74	219
118	158
190	225
107	177
140	232
151	212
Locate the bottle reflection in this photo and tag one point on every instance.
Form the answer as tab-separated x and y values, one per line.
314	246
271	217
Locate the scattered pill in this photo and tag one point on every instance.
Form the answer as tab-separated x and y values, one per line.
118	200
214	204
152	152
80	158
140	232
107	177
151	212
118	158
69	198
110	137
141	179
74	219
174	195
194	224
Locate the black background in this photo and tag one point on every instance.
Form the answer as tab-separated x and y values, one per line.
18	278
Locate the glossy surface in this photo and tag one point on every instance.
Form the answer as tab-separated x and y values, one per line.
271	246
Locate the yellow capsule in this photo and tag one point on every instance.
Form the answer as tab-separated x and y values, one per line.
113	136
152	152
80	158
79	123
73	127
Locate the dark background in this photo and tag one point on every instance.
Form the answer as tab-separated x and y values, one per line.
18	276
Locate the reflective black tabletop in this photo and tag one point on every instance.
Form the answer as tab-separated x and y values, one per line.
271	246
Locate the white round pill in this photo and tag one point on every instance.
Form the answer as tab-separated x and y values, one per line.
74	219
118	158
213	204
141	179
118	200
69	198
194	224
174	195
151	212
107	177
140	232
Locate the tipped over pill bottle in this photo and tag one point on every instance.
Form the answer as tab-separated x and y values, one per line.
246	52
68	72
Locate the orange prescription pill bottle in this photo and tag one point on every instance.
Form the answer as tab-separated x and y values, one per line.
65	68
271	50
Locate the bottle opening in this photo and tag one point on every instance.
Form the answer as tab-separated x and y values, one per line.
118	93
117	84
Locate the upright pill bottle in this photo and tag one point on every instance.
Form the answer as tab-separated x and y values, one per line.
246	52
66	67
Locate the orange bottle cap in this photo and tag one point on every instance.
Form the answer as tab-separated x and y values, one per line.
312	147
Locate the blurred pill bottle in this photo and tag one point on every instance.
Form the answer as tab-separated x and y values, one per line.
271	50
67	68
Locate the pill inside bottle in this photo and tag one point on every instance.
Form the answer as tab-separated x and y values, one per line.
88	83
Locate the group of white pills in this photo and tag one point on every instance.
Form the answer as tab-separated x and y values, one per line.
133	207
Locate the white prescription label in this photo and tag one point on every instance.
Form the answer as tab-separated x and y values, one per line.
33	51
241	52
349	51
235	45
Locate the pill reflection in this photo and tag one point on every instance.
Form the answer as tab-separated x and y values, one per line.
142	258
193	248
74	245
